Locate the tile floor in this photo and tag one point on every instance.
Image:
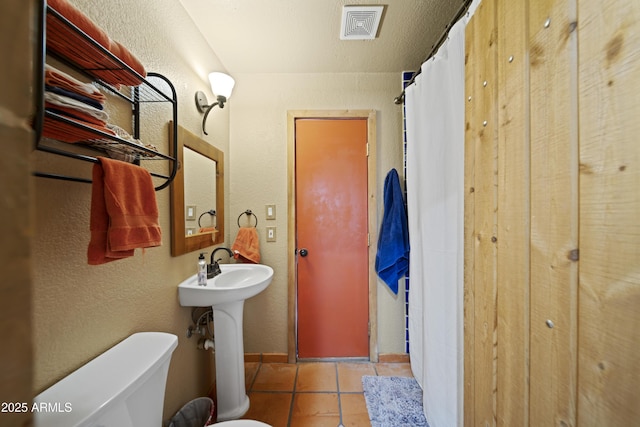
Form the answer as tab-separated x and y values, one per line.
313	394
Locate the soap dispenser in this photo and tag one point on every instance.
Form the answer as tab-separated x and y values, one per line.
202	270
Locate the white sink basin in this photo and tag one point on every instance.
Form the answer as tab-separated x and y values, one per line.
237	282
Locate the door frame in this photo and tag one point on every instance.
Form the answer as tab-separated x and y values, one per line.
292	297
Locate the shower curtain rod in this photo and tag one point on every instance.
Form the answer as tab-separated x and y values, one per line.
463	9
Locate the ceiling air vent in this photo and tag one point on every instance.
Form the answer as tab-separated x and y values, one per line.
360	22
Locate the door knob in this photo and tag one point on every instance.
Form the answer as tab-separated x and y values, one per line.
304	252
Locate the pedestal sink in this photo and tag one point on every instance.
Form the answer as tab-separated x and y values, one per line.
226	293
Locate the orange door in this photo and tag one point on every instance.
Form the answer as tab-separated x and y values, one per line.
331	233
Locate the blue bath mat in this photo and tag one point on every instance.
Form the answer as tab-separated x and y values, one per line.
393	401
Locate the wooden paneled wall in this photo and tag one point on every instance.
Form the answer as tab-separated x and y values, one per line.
552	214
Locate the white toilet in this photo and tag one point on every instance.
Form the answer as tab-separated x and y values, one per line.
123	387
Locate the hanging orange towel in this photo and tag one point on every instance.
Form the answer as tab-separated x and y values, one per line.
246	247
124	211
207	230
211	230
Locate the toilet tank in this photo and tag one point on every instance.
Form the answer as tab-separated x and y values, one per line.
123	387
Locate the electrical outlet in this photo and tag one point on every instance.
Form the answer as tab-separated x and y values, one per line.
271	234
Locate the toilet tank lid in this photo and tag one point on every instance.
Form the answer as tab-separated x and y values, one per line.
111	375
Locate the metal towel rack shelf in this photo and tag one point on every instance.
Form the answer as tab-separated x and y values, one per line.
153	88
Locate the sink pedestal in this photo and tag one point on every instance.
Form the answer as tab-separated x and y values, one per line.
233	401
225	293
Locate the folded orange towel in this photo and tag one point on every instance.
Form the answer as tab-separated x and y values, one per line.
66	42
75	114
80	20
246	247
124	211
60	79
62	131
118	76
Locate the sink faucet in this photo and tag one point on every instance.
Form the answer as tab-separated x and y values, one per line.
213	269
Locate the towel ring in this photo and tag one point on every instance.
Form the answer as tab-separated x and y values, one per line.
247	213
210	212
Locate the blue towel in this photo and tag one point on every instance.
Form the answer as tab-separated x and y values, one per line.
74	95
392	259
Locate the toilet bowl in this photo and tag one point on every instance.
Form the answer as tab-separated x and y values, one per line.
242	423
123	387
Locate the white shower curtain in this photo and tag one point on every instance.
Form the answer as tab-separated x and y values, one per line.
435	179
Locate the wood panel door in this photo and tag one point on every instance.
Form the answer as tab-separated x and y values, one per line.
332	240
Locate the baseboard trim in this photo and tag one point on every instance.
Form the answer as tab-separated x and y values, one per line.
283	358
266	357
393	358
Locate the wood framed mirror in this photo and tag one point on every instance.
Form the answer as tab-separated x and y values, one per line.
198	184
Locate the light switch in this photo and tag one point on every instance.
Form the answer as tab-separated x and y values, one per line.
191	212
271	211
271	234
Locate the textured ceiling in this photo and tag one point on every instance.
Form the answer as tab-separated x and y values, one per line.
303	36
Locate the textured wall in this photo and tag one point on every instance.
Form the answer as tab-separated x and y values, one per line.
16	225
259	176
80	310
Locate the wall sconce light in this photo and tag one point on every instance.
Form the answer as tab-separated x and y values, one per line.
221	86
